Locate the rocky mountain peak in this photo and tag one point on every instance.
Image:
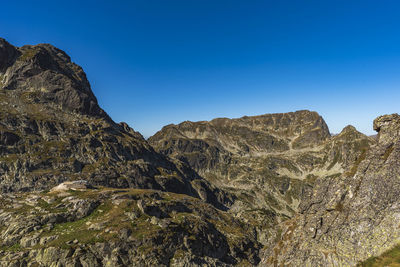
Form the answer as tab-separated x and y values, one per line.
52	130
49	73
349	133
349	128
249	134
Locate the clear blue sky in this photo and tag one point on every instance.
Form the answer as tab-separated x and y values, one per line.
155	62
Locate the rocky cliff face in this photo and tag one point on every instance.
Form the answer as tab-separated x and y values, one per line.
351	217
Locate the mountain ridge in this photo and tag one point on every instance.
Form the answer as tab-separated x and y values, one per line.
79	189
48	106
269	162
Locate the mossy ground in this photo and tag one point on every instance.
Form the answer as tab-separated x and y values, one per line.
354	168
28	54
390	258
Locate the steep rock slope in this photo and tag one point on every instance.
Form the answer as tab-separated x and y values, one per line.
52	129
269	162
348	218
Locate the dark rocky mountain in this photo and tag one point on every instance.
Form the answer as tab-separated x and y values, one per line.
48	72
52	130
78	189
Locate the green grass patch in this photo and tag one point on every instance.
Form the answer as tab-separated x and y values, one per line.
388	151
15	247
389	258
28	54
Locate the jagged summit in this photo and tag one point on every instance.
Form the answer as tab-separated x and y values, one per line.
350	133
49	73
349	128
386	121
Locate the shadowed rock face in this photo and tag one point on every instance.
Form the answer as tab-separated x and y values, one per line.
8	54
351	217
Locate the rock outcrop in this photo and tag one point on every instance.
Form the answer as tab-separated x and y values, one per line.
72	185
351	217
